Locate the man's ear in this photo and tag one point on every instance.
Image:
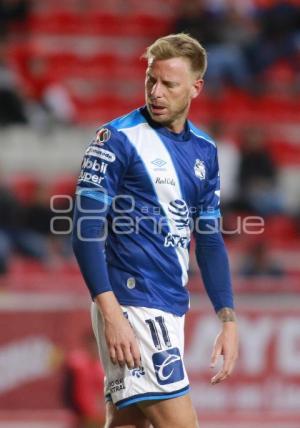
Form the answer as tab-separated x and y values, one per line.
197	87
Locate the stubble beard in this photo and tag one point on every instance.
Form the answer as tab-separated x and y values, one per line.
167	122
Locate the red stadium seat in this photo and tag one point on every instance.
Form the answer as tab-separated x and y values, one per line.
24	187
67	23
63	185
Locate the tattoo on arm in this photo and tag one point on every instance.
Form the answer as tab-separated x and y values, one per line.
226	315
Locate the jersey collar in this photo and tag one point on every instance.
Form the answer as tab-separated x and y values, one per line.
181	136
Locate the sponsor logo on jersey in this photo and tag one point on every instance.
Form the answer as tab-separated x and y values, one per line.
131	283
159	162
199	169
165	180
168	366
94	165
116	385
176	241
97	152
90	178
102	136
179	212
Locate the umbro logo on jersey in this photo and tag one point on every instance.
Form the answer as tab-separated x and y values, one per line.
159	162
168	366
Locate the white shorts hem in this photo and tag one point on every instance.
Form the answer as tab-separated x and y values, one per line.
149	396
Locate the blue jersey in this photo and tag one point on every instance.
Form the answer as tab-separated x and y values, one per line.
158	183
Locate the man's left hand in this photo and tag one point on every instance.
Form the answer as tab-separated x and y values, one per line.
226	344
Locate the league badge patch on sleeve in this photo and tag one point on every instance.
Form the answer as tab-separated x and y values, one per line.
199	169
102	136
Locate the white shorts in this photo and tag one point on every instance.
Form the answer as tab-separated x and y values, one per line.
162	374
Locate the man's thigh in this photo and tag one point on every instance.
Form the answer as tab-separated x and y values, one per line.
130	417
173	413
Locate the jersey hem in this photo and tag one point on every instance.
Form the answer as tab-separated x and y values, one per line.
151	396
141	304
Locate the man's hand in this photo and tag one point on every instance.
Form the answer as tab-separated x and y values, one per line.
226	344
121	342
120	339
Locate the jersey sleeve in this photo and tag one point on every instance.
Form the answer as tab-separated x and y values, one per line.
104	164
209	202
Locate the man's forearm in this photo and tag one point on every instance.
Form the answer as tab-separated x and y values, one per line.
108	306
213	262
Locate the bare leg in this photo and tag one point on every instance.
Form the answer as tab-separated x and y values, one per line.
130	417
173	413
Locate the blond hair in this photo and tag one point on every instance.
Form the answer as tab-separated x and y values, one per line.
179	45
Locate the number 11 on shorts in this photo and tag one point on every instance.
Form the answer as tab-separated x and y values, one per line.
152	323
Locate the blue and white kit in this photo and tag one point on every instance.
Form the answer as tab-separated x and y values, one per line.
145	190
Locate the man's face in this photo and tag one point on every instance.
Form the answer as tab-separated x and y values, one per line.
170	86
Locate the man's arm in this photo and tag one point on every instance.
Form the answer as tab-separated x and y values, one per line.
88	241
213	262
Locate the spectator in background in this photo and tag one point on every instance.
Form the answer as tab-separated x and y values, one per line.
213	28
37	219
258	188
229	163
279	34
15	236
13	11
48	99
37	213
12	106
257	263
85	384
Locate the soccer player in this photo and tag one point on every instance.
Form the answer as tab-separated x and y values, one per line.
148	181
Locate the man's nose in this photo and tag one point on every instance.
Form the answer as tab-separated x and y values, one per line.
156	91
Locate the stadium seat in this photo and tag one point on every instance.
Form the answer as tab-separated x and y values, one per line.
24	186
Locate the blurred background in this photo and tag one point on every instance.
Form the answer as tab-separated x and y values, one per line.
68	66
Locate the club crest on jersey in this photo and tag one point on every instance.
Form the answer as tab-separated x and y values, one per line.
102	136
199	169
